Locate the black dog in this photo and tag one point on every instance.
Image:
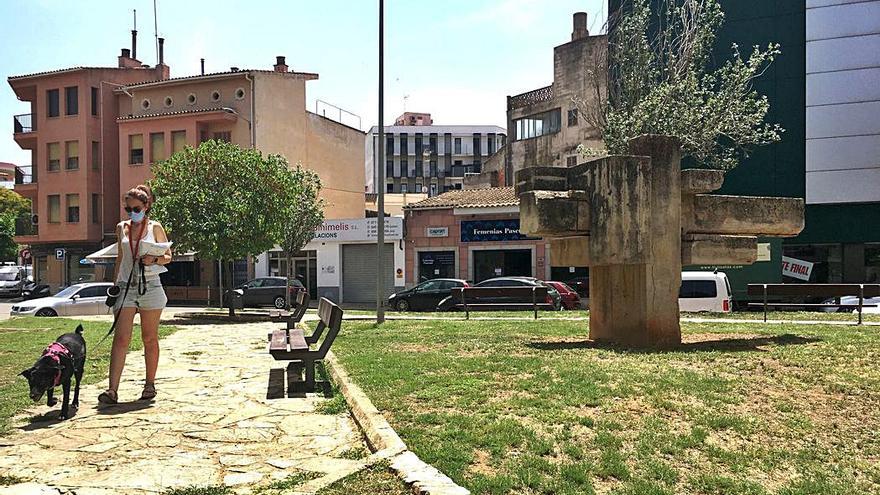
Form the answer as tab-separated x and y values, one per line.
64	359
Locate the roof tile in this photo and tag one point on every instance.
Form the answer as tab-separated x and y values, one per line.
469	198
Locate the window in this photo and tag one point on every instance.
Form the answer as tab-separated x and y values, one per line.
404	166
239	94
94	291
191	99
573	117
71	100
94	101
403	187
53	152
691	289
872	263
389	188
537	125
432	143
403	144
419	145
389	145
96	208
447	143
145	103
52	103
571	161
215	96
389	168
433	189
96	155
157	147
225	136
457	146
478	150
178	141
136	149
432	168
72	155
73	208
490	139
420	168
169	102
54	208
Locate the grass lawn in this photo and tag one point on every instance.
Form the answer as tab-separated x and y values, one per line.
23	339
525	407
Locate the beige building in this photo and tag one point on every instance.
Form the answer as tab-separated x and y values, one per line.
545	125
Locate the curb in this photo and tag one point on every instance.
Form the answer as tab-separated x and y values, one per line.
386	443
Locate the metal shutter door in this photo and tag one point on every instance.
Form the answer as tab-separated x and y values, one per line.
359	272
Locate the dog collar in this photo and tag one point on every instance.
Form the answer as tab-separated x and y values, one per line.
55	351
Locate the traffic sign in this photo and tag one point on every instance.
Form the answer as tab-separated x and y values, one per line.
60	253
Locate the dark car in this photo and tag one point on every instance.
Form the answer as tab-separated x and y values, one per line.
267	291
581	285
425	296
523	302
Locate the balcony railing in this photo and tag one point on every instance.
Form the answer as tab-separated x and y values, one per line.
531	97
24	175
23	123
461	170
24	226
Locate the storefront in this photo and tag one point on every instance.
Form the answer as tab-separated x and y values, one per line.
473	235
340	262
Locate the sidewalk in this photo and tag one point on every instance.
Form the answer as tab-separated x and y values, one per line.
211	424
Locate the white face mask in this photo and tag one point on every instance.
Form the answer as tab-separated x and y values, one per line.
137	217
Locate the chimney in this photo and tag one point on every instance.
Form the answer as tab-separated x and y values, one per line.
162	51
125	60
580	26
280	65
134	43
203	67
233	69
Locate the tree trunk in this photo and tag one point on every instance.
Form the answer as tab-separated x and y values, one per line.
287	288
228	274
220	283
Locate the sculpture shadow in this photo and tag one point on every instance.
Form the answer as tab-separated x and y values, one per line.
746	344
288	382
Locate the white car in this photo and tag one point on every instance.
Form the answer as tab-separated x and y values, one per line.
704	291
76	300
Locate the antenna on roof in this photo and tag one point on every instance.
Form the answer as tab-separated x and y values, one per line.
156	30
135	14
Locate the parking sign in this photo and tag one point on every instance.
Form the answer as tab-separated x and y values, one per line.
59	253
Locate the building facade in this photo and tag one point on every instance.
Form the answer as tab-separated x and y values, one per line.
430	159
72	181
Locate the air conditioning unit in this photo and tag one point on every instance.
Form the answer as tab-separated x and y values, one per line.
34	219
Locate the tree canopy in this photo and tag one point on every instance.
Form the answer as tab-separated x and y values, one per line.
657	77
12	206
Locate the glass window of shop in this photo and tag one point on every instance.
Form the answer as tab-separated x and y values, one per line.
827	262
305	267
872	263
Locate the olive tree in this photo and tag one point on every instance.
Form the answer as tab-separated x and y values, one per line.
656	76
303	211
221	200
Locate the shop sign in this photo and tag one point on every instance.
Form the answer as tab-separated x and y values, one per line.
763	251
492	230
437	231
795	268
359	229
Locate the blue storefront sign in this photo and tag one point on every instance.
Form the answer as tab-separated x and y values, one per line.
492	230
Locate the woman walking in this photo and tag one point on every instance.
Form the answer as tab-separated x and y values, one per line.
137	276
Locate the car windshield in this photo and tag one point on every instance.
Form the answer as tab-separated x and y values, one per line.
69	291
8	276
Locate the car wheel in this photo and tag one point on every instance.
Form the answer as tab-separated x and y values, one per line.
402	305
46	312
279	302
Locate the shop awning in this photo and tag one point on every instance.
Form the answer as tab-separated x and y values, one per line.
107	256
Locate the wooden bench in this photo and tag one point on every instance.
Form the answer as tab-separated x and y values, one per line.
812	290
302	304
485	298
292	345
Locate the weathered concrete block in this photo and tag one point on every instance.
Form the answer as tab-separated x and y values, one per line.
748	215
699	181
554	213
571	251
542	179
711	249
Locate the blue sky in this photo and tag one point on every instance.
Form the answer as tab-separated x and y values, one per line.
457	59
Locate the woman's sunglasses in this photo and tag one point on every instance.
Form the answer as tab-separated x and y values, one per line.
136	209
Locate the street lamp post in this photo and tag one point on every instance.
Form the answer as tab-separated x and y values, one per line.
380	182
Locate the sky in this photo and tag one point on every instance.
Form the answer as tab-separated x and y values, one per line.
456	59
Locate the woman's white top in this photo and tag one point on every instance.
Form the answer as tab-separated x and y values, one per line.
151	272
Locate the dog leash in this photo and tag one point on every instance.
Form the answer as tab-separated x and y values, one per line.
116	313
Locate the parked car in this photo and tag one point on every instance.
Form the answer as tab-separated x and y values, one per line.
851	304
704	291
266	291
425	296
76	300
570	298
12	280
581	285
553	297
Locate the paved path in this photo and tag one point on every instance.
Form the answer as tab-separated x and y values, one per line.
212	423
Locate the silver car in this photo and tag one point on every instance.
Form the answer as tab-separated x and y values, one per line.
76	300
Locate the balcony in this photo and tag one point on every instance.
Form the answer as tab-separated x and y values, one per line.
461	170
530	98
24	175
24	226
24	130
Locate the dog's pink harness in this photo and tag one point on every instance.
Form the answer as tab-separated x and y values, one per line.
55	351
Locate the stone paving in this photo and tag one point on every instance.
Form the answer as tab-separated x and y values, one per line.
224	415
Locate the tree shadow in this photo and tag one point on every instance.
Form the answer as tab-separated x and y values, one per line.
745	344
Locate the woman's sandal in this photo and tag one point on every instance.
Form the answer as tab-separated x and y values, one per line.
149	392
108	397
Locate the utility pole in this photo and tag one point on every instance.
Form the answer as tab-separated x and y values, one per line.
380	182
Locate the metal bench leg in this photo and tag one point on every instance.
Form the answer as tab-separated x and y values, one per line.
310	374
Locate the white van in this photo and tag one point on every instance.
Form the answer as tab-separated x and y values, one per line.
704	291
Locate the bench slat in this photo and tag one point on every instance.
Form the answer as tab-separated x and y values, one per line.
278	341
297	342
